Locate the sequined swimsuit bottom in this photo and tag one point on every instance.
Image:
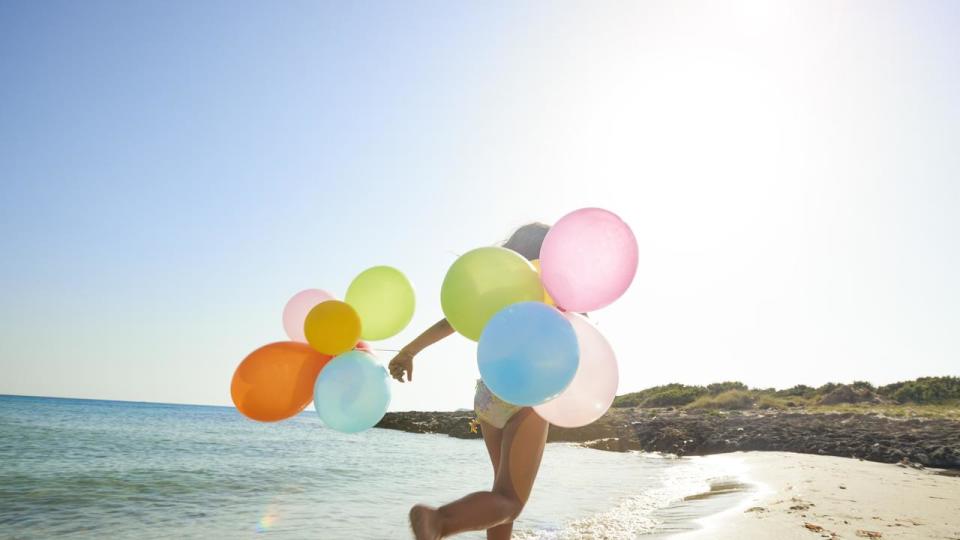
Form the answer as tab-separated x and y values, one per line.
492	409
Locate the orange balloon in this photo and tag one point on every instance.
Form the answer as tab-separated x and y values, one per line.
332	327
276	381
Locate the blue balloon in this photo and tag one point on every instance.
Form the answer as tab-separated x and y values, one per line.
352	392
528	353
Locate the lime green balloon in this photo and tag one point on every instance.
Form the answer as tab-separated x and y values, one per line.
384	300
484	281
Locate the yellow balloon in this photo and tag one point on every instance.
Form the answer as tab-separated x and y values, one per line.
546	296
332	327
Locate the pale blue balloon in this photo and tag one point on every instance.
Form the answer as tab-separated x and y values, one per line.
352	392
528	353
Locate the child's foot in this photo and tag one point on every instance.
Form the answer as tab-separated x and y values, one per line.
425	522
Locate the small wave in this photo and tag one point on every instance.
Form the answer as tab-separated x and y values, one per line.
627	520
719	486
643	514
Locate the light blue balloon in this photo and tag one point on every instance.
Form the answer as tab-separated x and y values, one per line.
352	392
528	353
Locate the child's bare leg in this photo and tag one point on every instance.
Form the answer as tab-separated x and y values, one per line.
521	449
493	437
500	532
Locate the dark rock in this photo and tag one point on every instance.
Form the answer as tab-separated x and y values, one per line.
612	444
456	424
933	442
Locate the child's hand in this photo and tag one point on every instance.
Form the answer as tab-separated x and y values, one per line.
403	361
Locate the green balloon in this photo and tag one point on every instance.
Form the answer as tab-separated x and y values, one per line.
383	298
484	281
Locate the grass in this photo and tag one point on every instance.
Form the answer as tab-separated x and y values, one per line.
949	411
730	400
768	402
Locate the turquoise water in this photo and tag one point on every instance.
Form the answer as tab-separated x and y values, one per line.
87	469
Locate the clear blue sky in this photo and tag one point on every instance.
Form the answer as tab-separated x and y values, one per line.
173	171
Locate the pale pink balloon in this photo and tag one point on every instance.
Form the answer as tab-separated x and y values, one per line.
588	259
594	386
297	308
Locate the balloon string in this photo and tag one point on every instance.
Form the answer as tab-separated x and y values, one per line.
384	350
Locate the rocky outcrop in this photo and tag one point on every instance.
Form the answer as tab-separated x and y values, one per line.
455	424
931	442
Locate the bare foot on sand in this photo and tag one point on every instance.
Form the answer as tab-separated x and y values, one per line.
425	522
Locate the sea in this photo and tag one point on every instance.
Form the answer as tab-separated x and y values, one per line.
72	468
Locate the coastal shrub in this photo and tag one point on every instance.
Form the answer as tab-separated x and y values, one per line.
626	400
922	391
770	402
731	400
800	390
888	390
668	395
929	390
674	397
827	388
847	393
721	387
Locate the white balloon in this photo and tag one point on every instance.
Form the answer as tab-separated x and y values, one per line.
594	386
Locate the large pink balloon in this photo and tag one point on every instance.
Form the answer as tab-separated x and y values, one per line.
297	308
594	386
588	259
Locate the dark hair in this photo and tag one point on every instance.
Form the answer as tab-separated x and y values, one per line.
527	240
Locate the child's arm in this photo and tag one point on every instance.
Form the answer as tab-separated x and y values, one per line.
403	361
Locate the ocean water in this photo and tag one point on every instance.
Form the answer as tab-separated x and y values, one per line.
90	469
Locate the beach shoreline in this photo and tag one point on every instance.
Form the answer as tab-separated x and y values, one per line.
806	496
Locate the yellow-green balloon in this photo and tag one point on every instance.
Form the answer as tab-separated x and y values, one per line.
484	281
383	298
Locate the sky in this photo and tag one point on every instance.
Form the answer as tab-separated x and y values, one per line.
172	172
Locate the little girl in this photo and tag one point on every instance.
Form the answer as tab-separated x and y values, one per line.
514	435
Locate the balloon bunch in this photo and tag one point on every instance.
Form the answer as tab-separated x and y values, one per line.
535	349
326	361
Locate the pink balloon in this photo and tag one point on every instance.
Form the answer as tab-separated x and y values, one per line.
297	308
588	259
594	386
363	346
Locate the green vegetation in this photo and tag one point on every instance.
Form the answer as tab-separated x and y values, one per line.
927	390
719	388
767	401
897	410
731	400
669	395
937	396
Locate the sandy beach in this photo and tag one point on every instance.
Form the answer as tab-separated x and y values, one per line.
807	496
